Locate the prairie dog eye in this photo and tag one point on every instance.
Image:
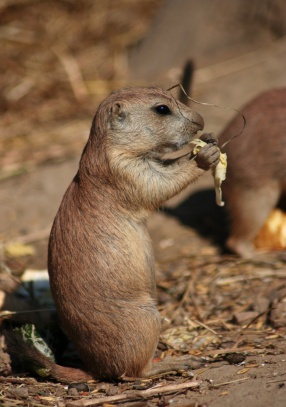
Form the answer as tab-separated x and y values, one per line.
162	110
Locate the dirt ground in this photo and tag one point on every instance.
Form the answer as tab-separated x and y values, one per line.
230	311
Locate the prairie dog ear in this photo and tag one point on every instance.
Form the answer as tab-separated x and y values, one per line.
117	111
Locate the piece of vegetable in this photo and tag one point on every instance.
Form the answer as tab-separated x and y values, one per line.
31	335
273	233
219	171
219	174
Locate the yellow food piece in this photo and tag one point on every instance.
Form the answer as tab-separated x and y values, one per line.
198	145
219	172
18	250
273	233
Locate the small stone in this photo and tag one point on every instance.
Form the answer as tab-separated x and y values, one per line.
234	358
79	387
21	392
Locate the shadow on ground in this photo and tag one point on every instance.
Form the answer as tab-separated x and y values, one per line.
200	212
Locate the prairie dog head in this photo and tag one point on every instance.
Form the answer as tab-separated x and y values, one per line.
136	125
149	122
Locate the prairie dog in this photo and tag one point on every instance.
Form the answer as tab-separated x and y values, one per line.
100	259
256	173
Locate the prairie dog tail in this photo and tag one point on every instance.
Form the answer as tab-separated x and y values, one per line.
37	362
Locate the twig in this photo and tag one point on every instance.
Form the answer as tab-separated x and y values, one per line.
32	237
13	380
205	326
171	388
231	350
74	74
4	314
239	63
215	386
12	401
257	317
260	275
277	381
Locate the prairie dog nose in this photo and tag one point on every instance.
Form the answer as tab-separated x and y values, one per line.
198	120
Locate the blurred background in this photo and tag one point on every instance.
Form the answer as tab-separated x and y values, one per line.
59	59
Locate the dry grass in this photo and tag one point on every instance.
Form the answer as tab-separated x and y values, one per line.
59	59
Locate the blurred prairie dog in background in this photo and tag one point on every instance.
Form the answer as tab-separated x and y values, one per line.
256	173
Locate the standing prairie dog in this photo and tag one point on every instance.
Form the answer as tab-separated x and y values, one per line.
256	173
100	262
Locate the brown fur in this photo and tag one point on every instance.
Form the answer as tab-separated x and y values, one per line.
100	256
256	174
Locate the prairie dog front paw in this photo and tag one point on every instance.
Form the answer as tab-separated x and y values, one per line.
208	156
